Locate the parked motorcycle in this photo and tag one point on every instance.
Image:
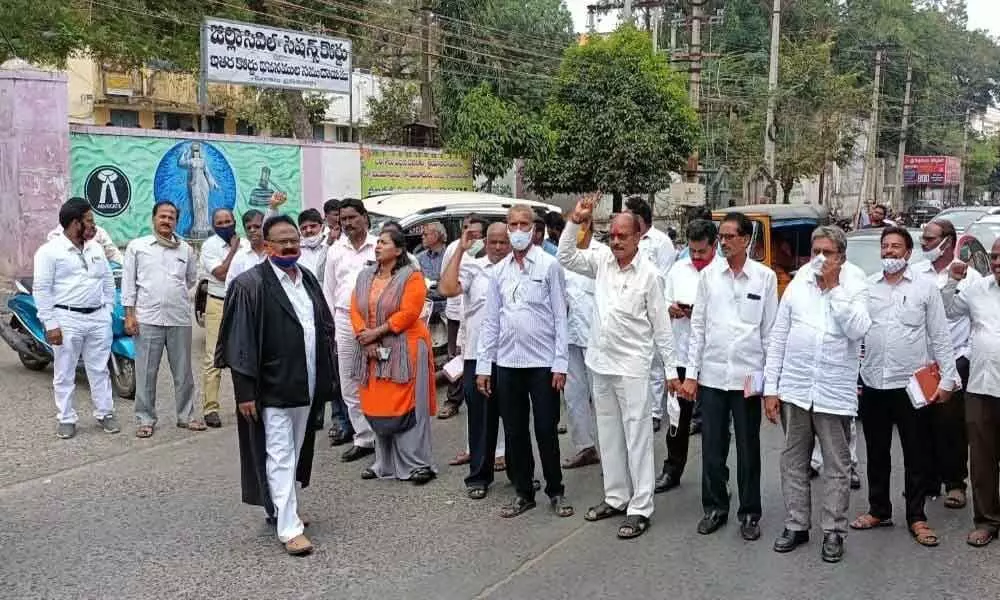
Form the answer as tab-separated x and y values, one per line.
25	333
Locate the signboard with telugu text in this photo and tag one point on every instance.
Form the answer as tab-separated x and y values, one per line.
248	54
931	170
393	171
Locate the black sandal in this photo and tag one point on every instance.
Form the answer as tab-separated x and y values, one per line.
518	506
476	493
368	474
602	511
422	476
633	526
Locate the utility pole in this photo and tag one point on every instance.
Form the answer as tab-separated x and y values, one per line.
697	14
656	30
426	92
965	153
772	98
871	171
627	11
903	130
676	20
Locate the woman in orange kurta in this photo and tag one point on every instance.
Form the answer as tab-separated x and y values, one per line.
394	363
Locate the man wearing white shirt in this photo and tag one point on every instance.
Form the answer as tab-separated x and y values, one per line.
344	261
681	296
736	305
159	271
980	302
217	254
101	237
655	246
580	291
251	255
75	292
630	324
909	330
811	380
468	274
524	335
453	315
314	246
949	443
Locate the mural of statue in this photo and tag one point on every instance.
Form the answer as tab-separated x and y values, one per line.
200	183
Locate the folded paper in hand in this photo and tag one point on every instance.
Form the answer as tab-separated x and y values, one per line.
453	369
753	384
923	385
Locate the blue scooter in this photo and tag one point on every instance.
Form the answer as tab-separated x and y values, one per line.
24	332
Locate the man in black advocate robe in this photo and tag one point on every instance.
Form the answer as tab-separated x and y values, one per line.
276	338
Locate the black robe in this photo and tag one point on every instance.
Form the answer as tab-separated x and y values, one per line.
262	344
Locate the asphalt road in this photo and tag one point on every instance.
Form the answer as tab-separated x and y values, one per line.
115	517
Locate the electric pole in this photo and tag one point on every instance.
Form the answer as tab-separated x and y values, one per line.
772	99
965	152
871	170
903	130
627	11
697	14
426	91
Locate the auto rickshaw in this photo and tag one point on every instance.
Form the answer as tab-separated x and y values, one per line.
781	235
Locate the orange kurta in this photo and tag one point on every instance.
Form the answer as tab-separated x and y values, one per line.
382	397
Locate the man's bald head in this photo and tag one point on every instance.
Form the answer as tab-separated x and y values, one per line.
628	219
626	229
497	242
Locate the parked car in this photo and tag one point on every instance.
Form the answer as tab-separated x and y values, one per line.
919	214
986	230
963	216
864	250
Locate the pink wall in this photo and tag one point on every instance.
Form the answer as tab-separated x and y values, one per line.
34	161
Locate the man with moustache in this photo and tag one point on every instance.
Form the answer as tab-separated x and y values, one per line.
275	339
949	446
217	254
736	305
524	335
75	293
159	271
980	302
253	254
909	330
331	214
468	273
631	323
348	255
681	296
313	244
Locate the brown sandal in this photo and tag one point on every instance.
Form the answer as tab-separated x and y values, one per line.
463	458
144	431
955	499
923	534
194	425
980	537
500	464
868	521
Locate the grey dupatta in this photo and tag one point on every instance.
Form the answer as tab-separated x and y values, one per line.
397	368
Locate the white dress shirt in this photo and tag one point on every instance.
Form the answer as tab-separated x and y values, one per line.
580	292
453	306
682	288
67	275
730	324
213	253
980	301
111	251
314	258
909	331
156	280
344	263
656	247
525	321
246	258
812	352
299	298
474	276
630	321
960	328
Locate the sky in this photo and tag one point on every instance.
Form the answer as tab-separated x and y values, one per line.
983	14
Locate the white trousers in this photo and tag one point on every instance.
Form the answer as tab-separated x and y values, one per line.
657	386
363	435
88	336
284	431
816	462
626	440
579	410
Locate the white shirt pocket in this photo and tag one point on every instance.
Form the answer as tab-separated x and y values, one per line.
751	306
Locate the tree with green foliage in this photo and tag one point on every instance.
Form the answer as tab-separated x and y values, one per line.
391	112
492	132
618	121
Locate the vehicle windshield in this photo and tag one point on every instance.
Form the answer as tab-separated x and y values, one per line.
986	233
865	252
377	221
962	218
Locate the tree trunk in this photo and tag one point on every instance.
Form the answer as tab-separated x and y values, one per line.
822	182
616	203
301	127
786	190
489	185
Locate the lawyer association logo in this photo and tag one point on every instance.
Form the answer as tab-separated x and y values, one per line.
108	190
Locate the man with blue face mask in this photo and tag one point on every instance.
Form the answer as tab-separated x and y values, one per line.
217	254
524	332
909	330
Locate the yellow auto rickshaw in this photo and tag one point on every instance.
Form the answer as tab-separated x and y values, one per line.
781	235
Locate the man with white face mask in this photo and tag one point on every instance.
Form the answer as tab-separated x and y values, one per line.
810	382
313	242
909	330
949	446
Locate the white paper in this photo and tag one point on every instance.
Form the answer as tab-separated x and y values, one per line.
917	398
753	384
453	369
673	410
